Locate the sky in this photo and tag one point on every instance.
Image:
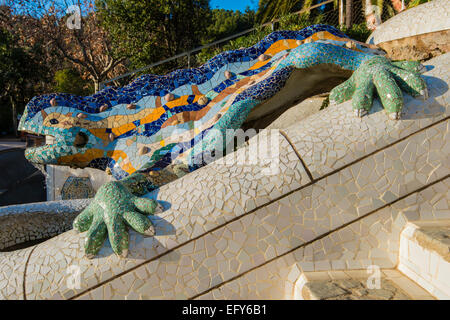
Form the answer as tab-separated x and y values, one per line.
214	4
234	4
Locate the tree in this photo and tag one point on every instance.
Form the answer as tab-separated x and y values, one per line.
70	81
348	13
225	23
149	31
18	71
272	9
70	31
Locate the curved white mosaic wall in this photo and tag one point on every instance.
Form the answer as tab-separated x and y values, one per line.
429	17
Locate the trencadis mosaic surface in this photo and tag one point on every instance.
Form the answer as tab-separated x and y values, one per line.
135	131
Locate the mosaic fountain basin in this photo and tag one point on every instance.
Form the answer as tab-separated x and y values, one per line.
223	221
36	221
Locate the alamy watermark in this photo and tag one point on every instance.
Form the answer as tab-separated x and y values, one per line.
374	280
73	281
218	146
74	19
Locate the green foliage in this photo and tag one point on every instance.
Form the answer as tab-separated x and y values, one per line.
70	81
241	42
357	32
13	63
300	21
153	30
415	3
20	70
225	23
272	9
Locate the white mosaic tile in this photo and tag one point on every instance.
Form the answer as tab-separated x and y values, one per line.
272	280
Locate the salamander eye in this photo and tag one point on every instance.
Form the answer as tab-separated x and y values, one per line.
54	121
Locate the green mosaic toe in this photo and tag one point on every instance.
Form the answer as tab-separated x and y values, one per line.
145	206
390	94
342	92
410	82
84	220
95	237
118	234
137	221
363	96
413	66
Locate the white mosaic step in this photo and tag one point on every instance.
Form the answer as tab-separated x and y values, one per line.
12	273
428	17
373	240
371	284
425	255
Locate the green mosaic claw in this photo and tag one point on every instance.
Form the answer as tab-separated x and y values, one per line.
387	78
363	96
414	66
112	210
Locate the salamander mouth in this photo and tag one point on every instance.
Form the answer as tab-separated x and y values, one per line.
54	148
81	139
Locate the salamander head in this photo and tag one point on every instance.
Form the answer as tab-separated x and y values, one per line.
72	140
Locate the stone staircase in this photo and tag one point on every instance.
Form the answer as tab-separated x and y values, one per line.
422	273
358	285
425	256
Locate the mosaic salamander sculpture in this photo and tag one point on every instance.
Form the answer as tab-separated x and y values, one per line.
156	129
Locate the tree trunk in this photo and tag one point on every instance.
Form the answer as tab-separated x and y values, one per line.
348	13
14	114
96	85
341	13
